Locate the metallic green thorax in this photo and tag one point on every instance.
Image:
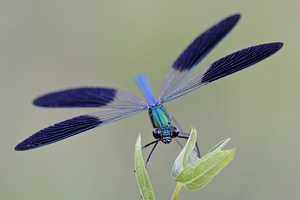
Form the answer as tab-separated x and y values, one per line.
161	124
159	116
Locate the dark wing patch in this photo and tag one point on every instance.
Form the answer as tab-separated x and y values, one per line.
203	44
78	97
224	67
59	131
239	60
194	53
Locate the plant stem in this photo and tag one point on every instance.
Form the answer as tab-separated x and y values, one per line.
177	191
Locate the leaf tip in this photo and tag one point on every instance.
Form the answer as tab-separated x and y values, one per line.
138	140
192	127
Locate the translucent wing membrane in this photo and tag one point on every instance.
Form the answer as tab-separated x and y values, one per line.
90	97
125	104
195	52
74	126
224	67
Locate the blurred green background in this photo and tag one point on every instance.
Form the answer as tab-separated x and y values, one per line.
52	45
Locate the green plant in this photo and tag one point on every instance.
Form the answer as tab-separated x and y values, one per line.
188	170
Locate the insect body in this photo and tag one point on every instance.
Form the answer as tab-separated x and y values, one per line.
124	104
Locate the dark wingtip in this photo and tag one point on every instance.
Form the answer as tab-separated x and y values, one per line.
77	97
204	43
279	44
240	60
275	46
21	146
38	102
59	131
235	16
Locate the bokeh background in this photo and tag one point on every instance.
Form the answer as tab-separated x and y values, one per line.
52	45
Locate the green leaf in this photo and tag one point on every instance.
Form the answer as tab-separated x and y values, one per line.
187	155
194	173
141	173
177	166
220	145
189	147
201	172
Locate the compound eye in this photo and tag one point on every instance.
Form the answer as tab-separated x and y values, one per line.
175	132
156	133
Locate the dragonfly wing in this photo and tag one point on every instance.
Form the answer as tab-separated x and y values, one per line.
224	67
74	126
90	97
195	52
